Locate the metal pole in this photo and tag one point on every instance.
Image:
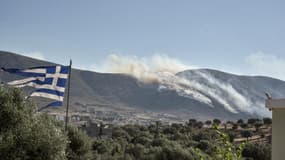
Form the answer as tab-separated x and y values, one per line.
67	101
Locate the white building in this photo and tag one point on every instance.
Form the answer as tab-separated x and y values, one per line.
278	127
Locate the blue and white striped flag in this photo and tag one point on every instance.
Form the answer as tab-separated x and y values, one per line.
49	81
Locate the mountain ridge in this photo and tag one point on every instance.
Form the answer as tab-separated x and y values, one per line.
172	95
208	69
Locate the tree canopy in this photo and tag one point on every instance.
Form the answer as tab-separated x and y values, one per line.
29	135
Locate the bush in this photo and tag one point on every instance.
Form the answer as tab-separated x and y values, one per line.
240	121
246	134
79	146
235	126
208	122
120	133
257	151
252	120
26	135
206	146
225	150
143	138
102	146
137	151
176	152
244	125
217	121
267	121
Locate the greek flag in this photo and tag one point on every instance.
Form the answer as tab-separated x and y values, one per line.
49	81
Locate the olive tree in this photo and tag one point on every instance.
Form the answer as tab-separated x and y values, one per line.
25	134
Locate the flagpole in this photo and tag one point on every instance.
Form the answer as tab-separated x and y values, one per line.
67	102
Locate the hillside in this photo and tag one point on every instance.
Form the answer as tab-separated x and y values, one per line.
201	93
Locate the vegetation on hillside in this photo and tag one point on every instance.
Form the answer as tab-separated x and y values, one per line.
27	134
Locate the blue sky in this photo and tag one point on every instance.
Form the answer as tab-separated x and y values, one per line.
239	36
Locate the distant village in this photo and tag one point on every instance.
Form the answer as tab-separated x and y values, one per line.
99	122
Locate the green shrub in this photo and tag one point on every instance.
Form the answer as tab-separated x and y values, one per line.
225	150
79	146
257	151
25	134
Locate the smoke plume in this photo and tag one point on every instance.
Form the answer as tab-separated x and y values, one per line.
146	69
162	69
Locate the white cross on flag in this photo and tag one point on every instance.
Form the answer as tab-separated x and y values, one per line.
49	81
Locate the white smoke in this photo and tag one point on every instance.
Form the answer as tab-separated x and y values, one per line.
211	92
159	69
183	87
266	64
146	69
36	55
226	94
162	69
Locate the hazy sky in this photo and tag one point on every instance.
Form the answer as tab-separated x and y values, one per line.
239	36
